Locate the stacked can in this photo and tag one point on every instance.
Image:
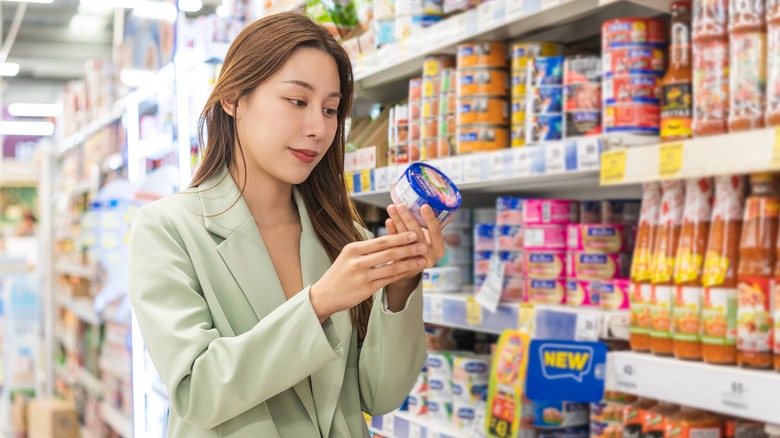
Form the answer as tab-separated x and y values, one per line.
509	244
522	54
484	248
415	118
470	379
545	224
440	397
413	15
582	96
454	269
448	108
633	67
398	135
433	67
482	97
606	416
544	100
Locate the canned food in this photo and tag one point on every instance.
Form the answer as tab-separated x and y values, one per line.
547	71
447	125
415	89
430	149
590	266
398	154
518	134
545	264
518	111
546	100
448	104
636	89
509	210
544	127
546	291
449	78
582	292
519	85
550	212
447	146
636	118
582	69
614	294
521	51
624	32
482	54
478	138
431	86
434	65
597	238
544	238
633	61
582	97
423	184
430	128
415	130
582	123
483	81
490	110
430	107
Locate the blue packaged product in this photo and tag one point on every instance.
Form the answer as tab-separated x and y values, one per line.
510	237
423	184
545	127
559	414
509	211
484	237
548	71
547	100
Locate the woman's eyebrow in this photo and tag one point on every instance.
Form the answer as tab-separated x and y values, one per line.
310	87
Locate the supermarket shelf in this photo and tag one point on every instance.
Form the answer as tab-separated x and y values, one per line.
554	20
156	147
458	311
116	421
82	307
76	270
64	339
581	323
729	390
78	138
406	426
734	153
89	381
567	168
120	370
18	173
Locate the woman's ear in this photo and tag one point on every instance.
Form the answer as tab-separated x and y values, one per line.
229	106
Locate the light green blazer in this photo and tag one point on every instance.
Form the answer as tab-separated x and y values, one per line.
237	359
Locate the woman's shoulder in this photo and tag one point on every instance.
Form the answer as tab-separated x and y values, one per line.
179	208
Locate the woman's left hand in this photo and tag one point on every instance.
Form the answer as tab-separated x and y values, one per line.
401	221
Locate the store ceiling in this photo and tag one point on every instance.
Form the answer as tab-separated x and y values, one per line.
48	49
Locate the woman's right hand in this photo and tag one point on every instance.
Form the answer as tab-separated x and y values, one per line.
363	268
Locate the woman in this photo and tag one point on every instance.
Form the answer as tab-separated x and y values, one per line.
264	307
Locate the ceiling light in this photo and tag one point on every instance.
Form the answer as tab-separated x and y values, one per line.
28	1
81	23
9	69
223	11
31	129
160	11
34	109
190	5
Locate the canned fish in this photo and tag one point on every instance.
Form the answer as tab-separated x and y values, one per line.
434	65
519	88
582	123
448	79
624	32
483	82
479	138
482	54
636	118
633	61
523	51
430	128
544	127
518	111
547	71
518	134
632	89
582	69
431	86
546	100
582	97
430	107
490	110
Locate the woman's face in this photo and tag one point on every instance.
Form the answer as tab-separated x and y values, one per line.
288	123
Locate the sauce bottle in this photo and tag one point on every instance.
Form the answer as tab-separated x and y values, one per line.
665	250
693	423
677	100
710	67
773	63
756	271
719	278
634	417
776	309
656	419
641	288
747	64
688	268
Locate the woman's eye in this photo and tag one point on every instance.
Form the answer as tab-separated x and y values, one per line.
297	102
331	112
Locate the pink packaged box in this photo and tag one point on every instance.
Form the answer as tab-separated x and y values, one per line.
545	264
513	288
513	262
550	212
484	237
546	291
582	292
590	266
597	238
510	237
482	262
544	237
614	294
509	211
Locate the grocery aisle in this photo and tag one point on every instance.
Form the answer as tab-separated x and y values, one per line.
611	270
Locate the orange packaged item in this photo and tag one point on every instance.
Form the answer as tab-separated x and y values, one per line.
710	87
746	14
490	110
693	423
656	419
664	253
773	74
677	101
483	82
719	278
634	417
482	54
747	80
481	138
776	310
756	272
710	19
688	268
640	268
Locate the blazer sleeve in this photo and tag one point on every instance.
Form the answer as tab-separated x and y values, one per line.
212	378
392	355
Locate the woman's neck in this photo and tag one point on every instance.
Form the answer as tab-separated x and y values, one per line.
269	200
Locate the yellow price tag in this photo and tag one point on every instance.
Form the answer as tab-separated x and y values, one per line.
350	182
670	160
473	312
613	167
776	149
365	180
526	318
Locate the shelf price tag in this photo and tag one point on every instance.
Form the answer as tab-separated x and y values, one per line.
365	181
735	395
613	167
522	162
437	309
526	318
496	165
627	375
587	328
350	182
414	430
473	312
380	175
555	158
588	150
670	160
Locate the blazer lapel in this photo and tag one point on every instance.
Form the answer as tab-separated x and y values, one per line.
326	383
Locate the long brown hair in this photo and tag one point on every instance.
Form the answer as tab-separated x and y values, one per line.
257	54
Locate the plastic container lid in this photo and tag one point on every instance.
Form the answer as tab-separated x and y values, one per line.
434	186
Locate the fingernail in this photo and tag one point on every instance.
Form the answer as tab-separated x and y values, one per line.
411	236
421	248
420	262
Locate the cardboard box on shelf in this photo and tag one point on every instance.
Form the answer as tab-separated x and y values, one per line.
52	418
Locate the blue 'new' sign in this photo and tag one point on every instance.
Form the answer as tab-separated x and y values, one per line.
566	370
